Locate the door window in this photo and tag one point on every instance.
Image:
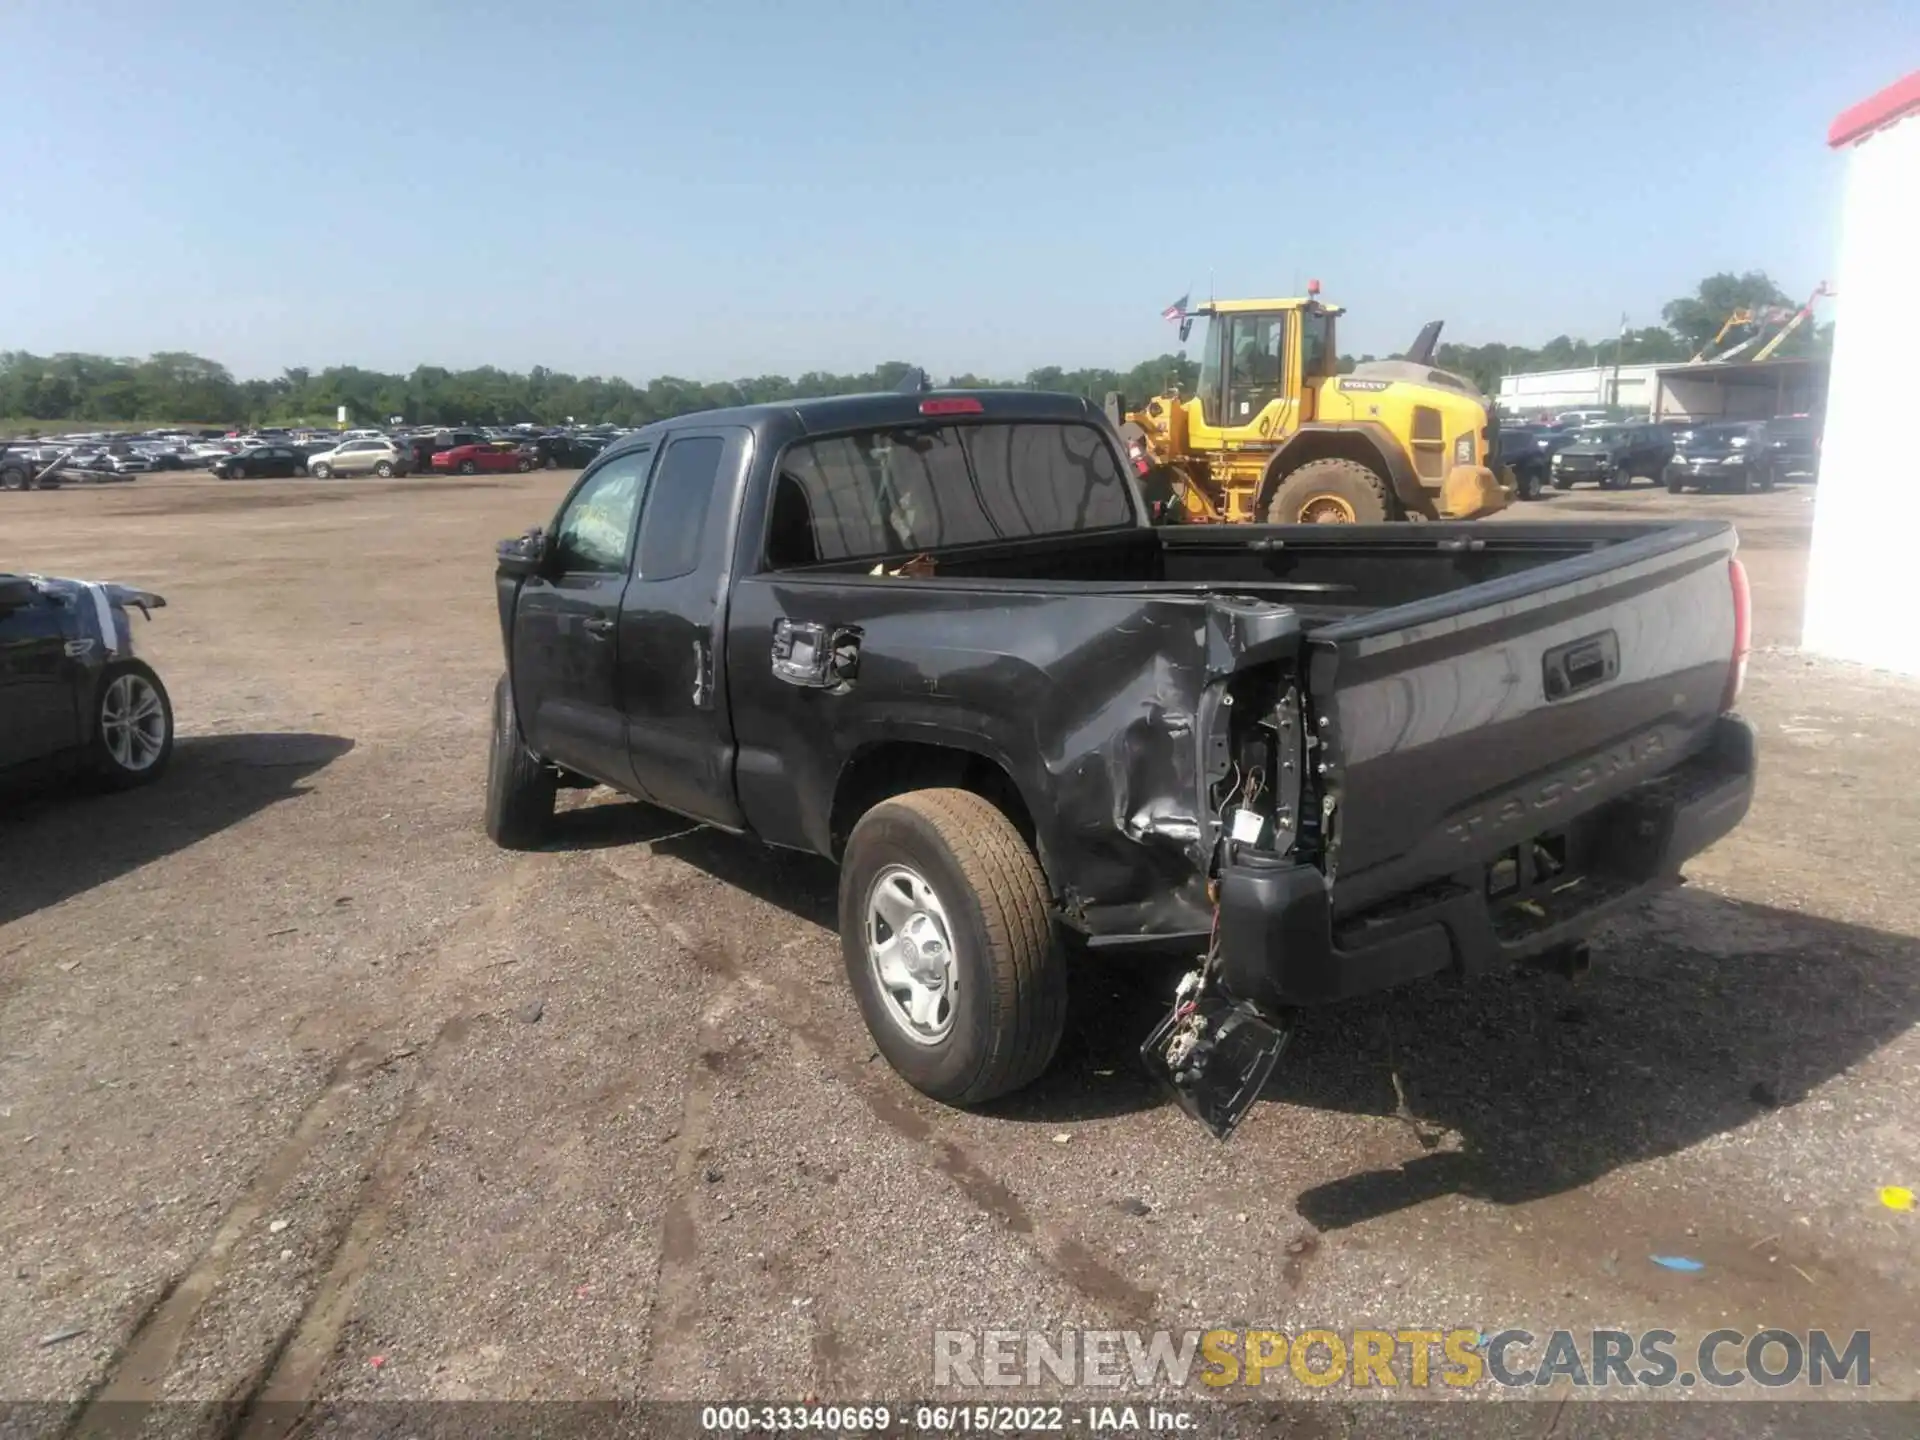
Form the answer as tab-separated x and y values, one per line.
676	518
1254	365
595	531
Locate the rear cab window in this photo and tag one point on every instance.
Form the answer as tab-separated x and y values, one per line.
871	494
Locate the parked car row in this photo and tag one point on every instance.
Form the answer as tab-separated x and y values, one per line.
1742	455
281	453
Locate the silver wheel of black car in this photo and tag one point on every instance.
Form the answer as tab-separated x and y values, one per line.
133	725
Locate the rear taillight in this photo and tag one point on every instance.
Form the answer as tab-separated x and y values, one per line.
1742	633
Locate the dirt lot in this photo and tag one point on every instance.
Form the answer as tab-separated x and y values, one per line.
297	1072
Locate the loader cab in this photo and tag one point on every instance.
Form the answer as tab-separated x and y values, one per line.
1257	362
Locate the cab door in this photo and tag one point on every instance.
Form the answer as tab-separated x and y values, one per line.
673	623
1259	365
566	625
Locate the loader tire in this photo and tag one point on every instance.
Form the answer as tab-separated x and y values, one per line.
970	915
1330	492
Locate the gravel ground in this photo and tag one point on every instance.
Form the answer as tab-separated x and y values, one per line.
309	1094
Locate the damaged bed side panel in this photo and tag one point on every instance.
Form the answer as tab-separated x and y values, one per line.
1107	710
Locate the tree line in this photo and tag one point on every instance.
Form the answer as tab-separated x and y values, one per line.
182	388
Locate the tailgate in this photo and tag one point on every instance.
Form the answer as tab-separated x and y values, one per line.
1453	728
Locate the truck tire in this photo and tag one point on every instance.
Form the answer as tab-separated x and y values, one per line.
1330	492
13	477
519	788
948	943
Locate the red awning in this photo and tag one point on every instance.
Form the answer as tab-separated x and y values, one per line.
1876	112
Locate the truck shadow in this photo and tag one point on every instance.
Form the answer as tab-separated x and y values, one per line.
58	841
1113	1003
1700	1015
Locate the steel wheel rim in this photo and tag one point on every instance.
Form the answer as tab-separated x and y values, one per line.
133	723
1326	510
910	951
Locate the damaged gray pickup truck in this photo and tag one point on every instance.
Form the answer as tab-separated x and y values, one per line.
934	636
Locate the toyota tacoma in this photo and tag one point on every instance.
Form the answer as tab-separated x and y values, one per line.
936	637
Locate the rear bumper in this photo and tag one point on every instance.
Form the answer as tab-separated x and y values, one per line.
1282	945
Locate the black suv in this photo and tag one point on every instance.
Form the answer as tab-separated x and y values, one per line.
1612	455
1524	450
1792	446
1743	455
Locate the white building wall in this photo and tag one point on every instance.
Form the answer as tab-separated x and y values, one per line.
1867	511
1569	389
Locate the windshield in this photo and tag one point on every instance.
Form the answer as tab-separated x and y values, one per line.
1600	435
902	492
1714	434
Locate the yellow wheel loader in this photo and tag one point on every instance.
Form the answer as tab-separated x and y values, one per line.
1274	435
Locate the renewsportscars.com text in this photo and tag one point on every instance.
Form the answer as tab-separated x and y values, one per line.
1398	1359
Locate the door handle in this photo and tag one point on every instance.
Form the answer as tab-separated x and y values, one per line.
598	626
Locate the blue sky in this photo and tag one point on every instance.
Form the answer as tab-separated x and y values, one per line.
720	188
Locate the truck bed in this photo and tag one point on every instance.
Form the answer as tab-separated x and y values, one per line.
1422	658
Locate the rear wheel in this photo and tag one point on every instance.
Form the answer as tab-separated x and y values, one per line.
523	465
384	469
467	467
236	472
1330	492
13	478
948	943
520	789
132	726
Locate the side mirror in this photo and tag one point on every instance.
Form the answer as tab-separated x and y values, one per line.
522	558
16	591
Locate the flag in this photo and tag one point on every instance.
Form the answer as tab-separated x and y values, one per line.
1623	326
1178	309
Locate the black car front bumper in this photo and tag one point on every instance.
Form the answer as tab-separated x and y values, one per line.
1709	469
1282	943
